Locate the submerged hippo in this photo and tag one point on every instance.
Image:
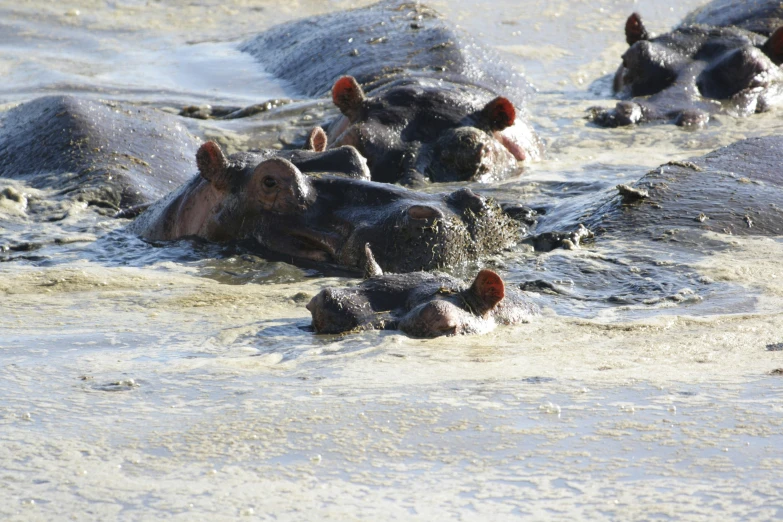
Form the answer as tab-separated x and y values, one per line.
419	98
724	57
325	218
735	190
420	304
103	153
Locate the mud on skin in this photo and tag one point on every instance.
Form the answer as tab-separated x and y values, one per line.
420	99
724	58
735	190
420	304
107	154
325	218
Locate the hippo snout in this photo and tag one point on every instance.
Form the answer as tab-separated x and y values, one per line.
468	153
432	319
465	199
734	71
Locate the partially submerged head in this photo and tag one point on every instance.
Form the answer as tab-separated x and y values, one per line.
466	312
420	304
681	75
329	218
411	130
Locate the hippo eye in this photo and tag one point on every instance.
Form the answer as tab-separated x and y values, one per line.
269	182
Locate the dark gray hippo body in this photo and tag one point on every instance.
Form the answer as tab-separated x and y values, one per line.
735	190
426	98
104	153
724	58
759	16
420	304
324	218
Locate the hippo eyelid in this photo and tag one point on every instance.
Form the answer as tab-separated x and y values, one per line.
269	182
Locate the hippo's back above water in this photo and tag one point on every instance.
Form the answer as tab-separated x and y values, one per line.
736	190
105	153
378	44
759	16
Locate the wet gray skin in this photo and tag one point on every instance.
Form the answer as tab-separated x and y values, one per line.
734	190
420	304
707	65
324	218
419	98
312	158
106	154
759	16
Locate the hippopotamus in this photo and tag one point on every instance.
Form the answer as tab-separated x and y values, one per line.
421	304
724	58
735	190
324	218
107	154
418	98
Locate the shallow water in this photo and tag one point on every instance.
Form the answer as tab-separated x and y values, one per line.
180	381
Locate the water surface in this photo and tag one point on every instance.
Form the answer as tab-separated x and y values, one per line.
140	382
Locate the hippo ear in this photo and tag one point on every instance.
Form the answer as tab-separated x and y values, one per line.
316	140
488	290
773	47
634	29
371	267
348	96
498	114
213	165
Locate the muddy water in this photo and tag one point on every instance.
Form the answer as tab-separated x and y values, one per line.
142	382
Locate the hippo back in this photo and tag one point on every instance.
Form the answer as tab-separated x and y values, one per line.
378	44
759	16
736	190
105	153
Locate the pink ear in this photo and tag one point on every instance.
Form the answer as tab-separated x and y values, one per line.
773	47
634	29
347	95
489	288
316	140
499	114
212	164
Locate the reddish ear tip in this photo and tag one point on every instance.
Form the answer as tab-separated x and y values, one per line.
634	29
500	113
209	147
777	40
344	87
490	287
347	95
212	164
209	154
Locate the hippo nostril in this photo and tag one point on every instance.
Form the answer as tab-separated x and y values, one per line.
466	199
445	327
424	212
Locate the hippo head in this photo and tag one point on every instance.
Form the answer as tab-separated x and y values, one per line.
327	218
419	303
413	130
242	194
465	315
692	72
